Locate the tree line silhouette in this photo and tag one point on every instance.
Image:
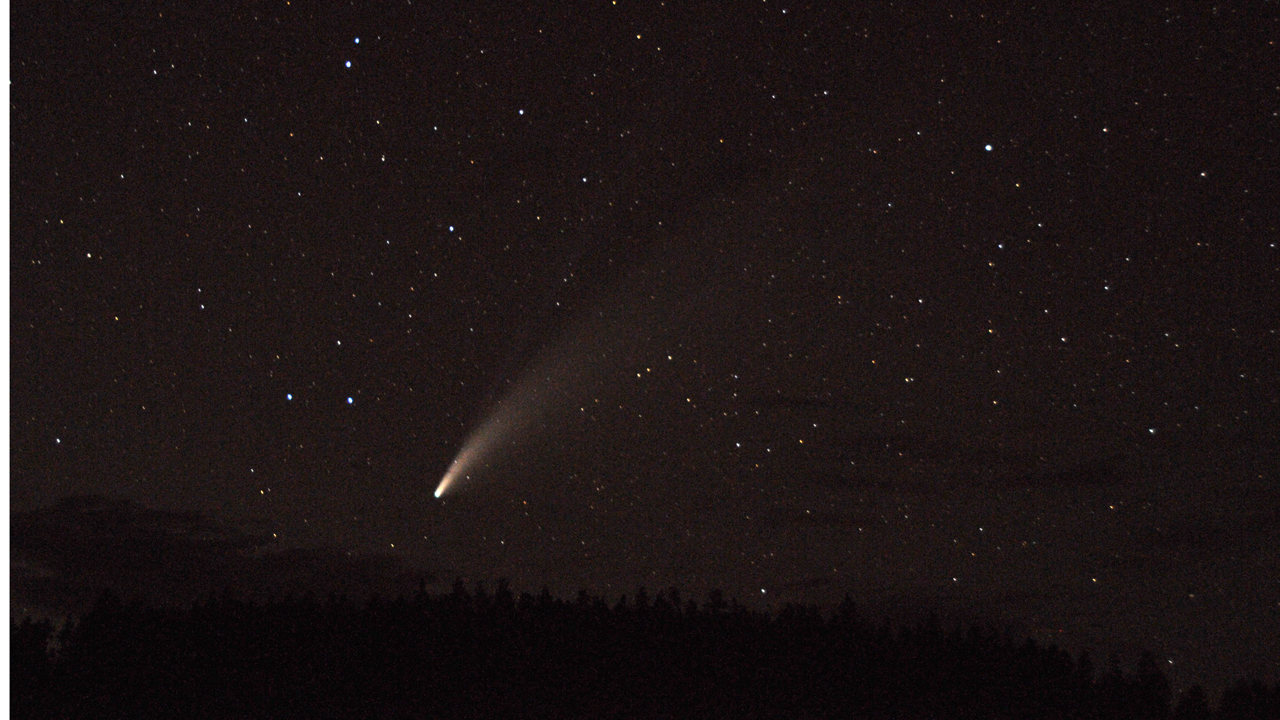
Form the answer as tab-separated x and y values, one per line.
486	654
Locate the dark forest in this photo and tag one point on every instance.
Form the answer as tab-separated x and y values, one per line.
492	654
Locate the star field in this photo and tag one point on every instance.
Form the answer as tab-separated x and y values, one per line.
971	311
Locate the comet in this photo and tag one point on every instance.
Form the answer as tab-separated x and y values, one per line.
563	375
501	428
540	391
667	297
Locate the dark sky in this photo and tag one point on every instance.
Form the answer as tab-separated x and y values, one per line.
973	311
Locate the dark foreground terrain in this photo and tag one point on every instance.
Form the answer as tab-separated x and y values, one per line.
480	654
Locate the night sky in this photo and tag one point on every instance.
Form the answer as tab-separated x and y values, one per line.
970	311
